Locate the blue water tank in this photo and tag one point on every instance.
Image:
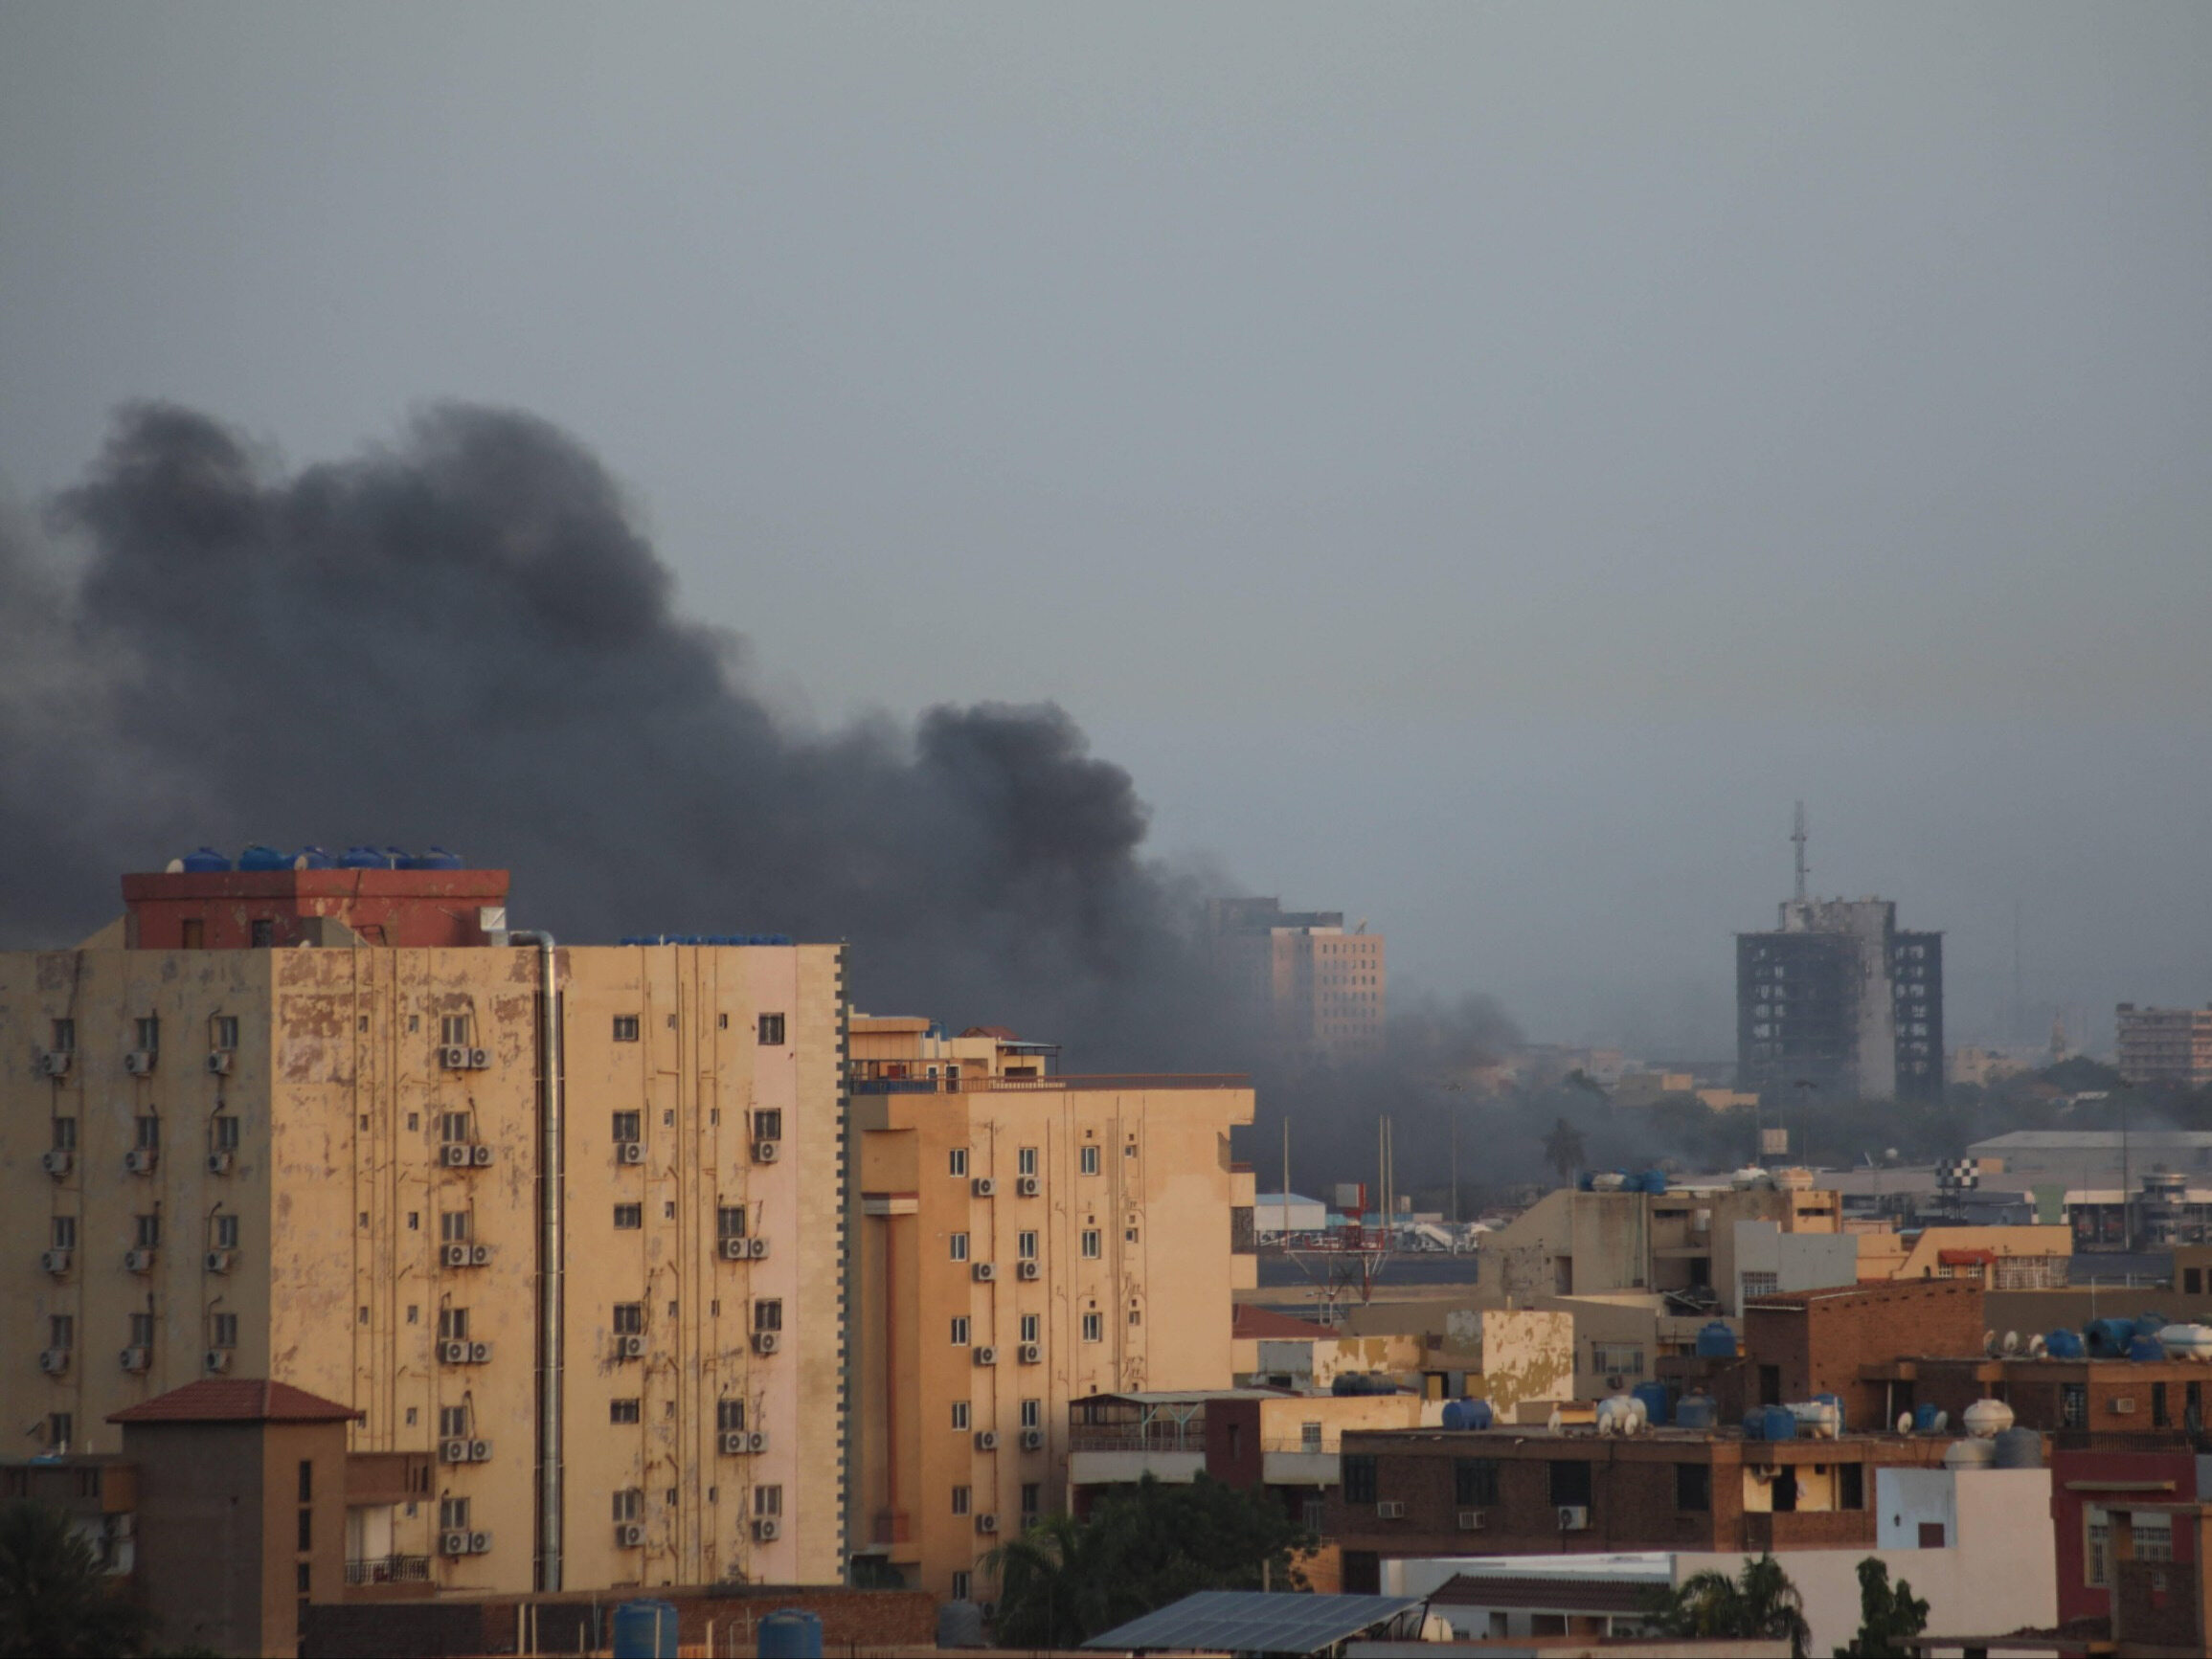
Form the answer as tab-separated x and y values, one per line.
1755	1423
1460	1415
1654	1396
2149	1324
1716	1341
314	858
435	859
790	1633
204	859
363	858
2146	1350
1923	1416
1582	1181
2063	1345
1781	1424
260	857
1653	1181
2108	1338
647	1630
1696	1411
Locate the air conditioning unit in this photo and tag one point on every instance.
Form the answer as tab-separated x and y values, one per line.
55	1163
987	1524
453	1451
986	1440
1470	1520
731	1441
480	1543
765	1341
767	1151
53	1361
55	1262
479	1157
137	1360
479	1059
139	1063
480	1255
479	1352
757	1442
218	1361
140	1160
453	1353
629	1347
629	1151
1574	1517
1032	1353
767	1529
219	1261
220	1063
985	1272
221	1163
2124	1405
736	1249
138	1261
1390	1510
986	1354
453	1058
55	1063
629	1534
1033	1439
1029	1270
1027	1187
453	1155
455	1544
454	1255
984	1187
479	1451
758	1249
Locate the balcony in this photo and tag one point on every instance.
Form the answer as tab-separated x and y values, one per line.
379	1571
1122	1457
1132	1081
1298	1462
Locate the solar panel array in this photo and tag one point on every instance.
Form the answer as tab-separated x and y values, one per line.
1253	1622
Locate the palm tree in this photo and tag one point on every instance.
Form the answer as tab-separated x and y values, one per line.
1563	1147
1060	1582
53	1598
1759	1601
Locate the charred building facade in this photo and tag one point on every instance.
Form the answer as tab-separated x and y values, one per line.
1840	997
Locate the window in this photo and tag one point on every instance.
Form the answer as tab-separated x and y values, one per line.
142	1329
2073	1405
149	1033
767	1500
962	1498
261	932
1135	1316
453	1030
225	1232
627	1127
453	1324
60	1428
623	1411
453	1226
1762	1283
957	1161
2158	1406
225	1035
959	1586
768	1125
959	1414
1090	1161
1033	1413
64	1037
729	1414
1029	1324
959	1331
149	1232
768	1313
1474	1479
1694	1485
1570	1483
61	1233
629	1504
1091	1244
62	1331
1094	1327
65	1135
226	1134
771	1030
453	1515
629	1318
959	1246
625	1028
453	1126
1032	1499
2154	1536
452	1422
730	1222
2097	1551
149	1134
1850	1486
1026	1246
1616	1358
1129	1149
1026	1161
1358	1472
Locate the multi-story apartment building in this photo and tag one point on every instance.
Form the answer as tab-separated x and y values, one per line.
2170	1046
1839	999
299	1123
1021	1239
1316	989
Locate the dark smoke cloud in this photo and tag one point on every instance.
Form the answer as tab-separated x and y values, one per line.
463	639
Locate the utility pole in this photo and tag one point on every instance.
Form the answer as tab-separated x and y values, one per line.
1800	838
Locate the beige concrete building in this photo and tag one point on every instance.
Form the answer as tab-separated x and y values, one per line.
322	1161
2165	1045
1319	990
1021	1239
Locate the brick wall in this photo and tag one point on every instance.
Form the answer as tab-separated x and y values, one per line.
1818	1342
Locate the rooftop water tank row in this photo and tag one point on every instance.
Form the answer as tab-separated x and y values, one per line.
312	857
1460	1415
1653	1181
707	939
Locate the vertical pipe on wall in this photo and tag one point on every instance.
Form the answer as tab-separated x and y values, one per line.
553	1242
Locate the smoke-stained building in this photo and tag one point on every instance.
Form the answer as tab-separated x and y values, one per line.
1320	990
1840	997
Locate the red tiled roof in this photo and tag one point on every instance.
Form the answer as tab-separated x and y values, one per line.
997	1031
236	1399
1249	1321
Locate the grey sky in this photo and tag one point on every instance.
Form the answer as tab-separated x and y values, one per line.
1476	464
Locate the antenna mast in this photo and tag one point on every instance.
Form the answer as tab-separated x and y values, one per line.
1799	837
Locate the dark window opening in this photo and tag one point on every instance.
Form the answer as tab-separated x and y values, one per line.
1693	1486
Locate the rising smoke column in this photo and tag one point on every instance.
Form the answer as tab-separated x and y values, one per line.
464	638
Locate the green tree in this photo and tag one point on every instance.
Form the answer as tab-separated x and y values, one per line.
1563	1149
1888	1618
1759	1601
53	1598
1065	1581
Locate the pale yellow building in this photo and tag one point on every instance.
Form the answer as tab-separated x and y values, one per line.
1021	1239
1316	990
318	1159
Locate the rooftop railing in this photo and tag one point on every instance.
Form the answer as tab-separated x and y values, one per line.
388	1570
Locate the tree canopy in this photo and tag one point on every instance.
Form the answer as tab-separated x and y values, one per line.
53	1598
1888	1618
1758	1602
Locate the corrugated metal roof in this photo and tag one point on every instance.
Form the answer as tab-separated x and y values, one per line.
1255	1622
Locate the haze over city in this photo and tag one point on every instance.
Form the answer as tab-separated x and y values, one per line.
1474	466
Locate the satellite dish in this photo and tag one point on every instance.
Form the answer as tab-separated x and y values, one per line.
1553	1421
2036	1347
1904	1423
1989	1343
2011	1342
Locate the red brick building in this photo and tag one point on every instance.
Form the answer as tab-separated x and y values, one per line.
239	910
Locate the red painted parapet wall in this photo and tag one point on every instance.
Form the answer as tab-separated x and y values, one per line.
217	909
